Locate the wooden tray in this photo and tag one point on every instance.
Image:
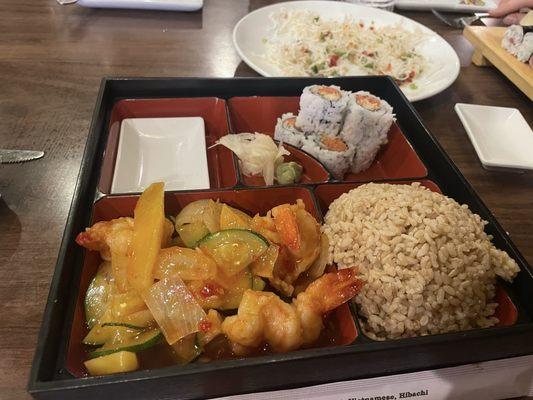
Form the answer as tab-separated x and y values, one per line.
488	51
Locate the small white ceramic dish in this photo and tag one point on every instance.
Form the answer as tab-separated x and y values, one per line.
501	136
168	5
445	5
442	61
172	150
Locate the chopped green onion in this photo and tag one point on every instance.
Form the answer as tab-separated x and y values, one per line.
317	67
413	86
369	65
316	19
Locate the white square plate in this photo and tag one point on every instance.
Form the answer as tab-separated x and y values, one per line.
501	136
169	5
445	5
172	150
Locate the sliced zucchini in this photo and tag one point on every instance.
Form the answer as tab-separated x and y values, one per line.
98	295
143	319
192	233
186	349
122	325
100	334
124	304
122	361
134	342
234	249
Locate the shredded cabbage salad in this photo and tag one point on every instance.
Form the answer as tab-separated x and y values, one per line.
302	43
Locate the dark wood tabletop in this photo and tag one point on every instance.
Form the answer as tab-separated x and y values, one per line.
52	58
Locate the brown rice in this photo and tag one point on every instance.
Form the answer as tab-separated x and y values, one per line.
430	267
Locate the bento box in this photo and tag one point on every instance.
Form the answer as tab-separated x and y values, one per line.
247	105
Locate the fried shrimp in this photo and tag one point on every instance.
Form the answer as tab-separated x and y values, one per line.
114	236
264	317
103	235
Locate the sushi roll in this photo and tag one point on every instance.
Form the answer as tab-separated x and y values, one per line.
525	50
333	152
513	38
287	132
365	154
365	127
322	109
367	115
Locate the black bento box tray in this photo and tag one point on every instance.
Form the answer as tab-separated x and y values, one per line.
50	380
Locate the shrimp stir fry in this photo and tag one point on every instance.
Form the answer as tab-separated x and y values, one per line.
264	317
170	280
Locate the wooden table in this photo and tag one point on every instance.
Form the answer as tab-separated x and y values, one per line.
52	58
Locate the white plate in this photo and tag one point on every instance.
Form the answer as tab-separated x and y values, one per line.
171	150
501	136
443	68
169	5
444	5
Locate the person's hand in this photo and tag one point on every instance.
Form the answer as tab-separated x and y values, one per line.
510	8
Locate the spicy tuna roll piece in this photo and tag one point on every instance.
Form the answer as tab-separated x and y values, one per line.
366	126
367	115
322	109
287	132
331	151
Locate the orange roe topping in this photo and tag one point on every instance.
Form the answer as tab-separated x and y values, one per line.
333	144
369	102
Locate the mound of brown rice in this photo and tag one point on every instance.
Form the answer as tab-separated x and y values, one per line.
429	266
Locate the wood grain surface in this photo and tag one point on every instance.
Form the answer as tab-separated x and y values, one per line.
52	58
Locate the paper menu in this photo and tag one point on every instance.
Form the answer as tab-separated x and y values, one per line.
491	380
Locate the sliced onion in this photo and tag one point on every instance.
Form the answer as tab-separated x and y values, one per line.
174	308
205	210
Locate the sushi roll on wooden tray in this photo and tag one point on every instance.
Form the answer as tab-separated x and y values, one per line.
513	38
287	132
322	109
518	40
525	50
